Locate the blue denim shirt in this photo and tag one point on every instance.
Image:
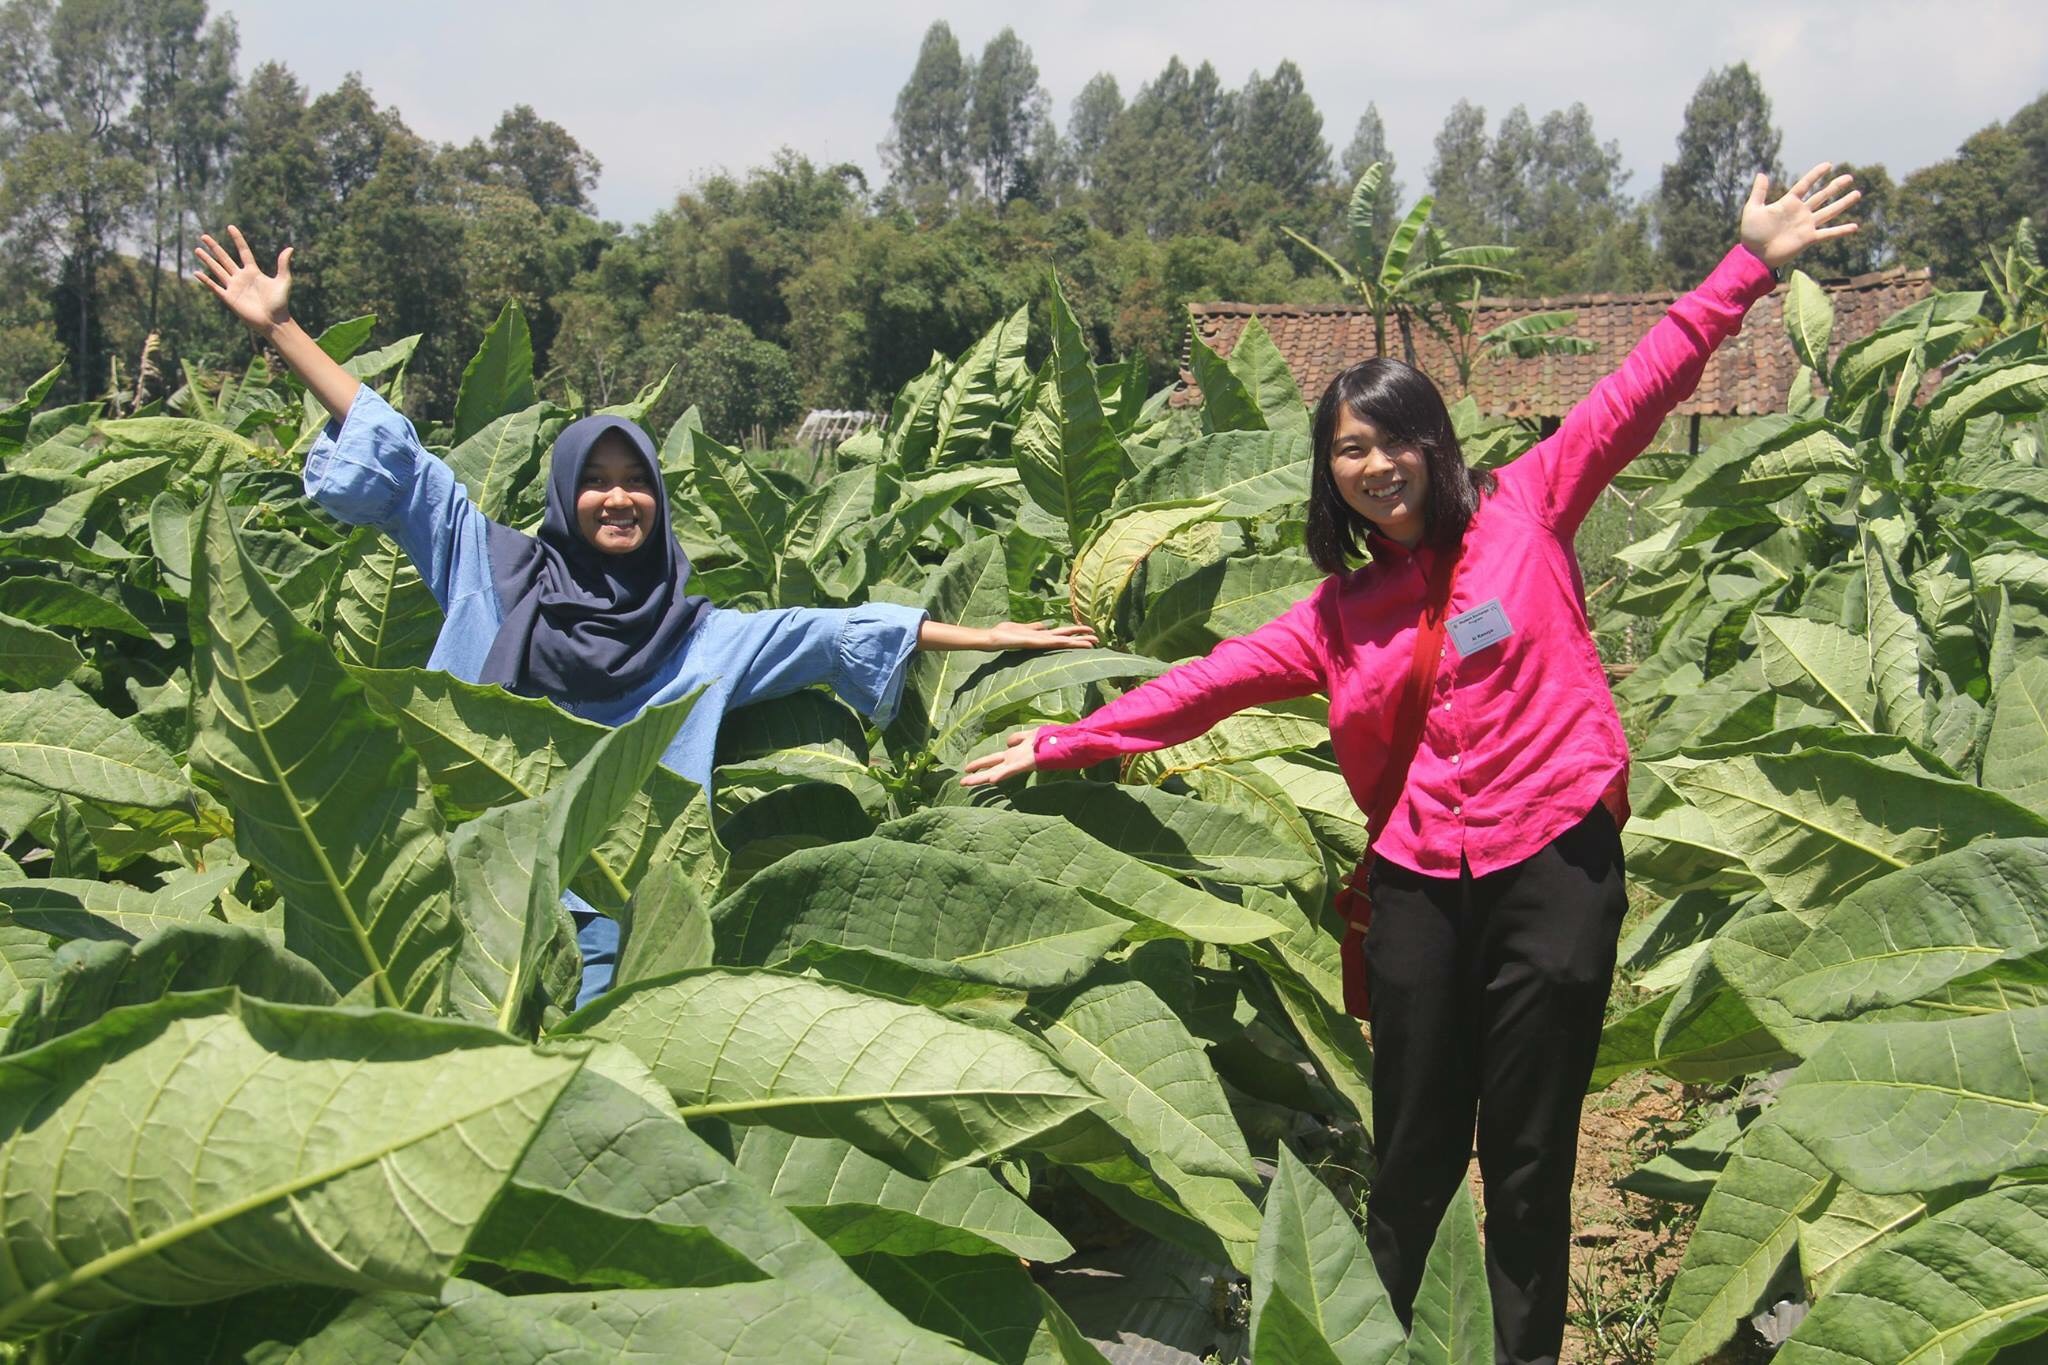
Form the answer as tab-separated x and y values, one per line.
371	470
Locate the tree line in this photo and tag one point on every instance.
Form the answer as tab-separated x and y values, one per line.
125	129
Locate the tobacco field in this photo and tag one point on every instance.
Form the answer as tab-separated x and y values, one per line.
894	1071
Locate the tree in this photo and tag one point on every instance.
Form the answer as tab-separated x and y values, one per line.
927	151
736	381
1009	116
1088	125
1164	153
180	126
71	183
1952	214
541	160
1870	246
1726	139
1457	178
1277	139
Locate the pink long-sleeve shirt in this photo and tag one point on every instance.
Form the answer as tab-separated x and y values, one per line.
1522	738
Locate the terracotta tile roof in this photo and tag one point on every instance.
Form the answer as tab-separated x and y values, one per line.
1748	376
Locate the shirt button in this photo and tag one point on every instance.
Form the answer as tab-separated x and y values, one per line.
1457	810
1454	759
1447	706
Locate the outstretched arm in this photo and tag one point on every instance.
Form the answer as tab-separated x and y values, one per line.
1286	657
262	302
1616	421
937	635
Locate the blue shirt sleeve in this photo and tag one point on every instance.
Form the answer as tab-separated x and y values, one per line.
371	470
860	652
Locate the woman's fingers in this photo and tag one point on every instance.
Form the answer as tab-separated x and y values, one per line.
1805	183
1759	190
242	246
1830	190
284	264
1837	207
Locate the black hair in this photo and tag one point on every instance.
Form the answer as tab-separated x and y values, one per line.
1405	406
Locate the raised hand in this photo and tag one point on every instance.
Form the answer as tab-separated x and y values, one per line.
261	301
1778	231
1014	760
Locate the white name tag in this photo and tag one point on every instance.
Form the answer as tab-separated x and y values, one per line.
1472	631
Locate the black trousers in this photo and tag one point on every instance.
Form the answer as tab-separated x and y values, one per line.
1488	997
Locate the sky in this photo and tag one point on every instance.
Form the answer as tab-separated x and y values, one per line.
664	92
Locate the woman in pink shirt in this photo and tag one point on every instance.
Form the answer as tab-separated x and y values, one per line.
1496	879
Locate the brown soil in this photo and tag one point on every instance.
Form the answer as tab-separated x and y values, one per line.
1625	1248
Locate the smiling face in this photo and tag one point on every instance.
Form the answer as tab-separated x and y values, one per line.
1383	480
616	507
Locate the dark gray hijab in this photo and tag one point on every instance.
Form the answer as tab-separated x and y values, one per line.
579	624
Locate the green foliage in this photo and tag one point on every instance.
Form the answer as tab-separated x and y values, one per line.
1840	772
273	862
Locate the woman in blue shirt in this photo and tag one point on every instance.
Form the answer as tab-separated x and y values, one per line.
590	611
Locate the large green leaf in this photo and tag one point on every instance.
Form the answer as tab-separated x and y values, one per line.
2018	387
1315	1297
1103	568
1818	660
1250	473
919	1090
1815	823
63	742
1000	690
496	464
750	510
498	379
631	1186
734	1324
1453	1308
210	1144
512	862
860	1205
82	908
1747	1228
485	747
1267	381
1068	457
1908	933
976	395
33	657
328	799
1227	404
972	585
87	979
24	965
2016	755
1123	1041
1892	634
1900	1107
385	616
988	1303
903	900
1051	849
1809	321
1175	833
1971	1278
1836	1233
1230	597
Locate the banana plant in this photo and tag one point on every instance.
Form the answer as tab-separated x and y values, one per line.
1416	272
